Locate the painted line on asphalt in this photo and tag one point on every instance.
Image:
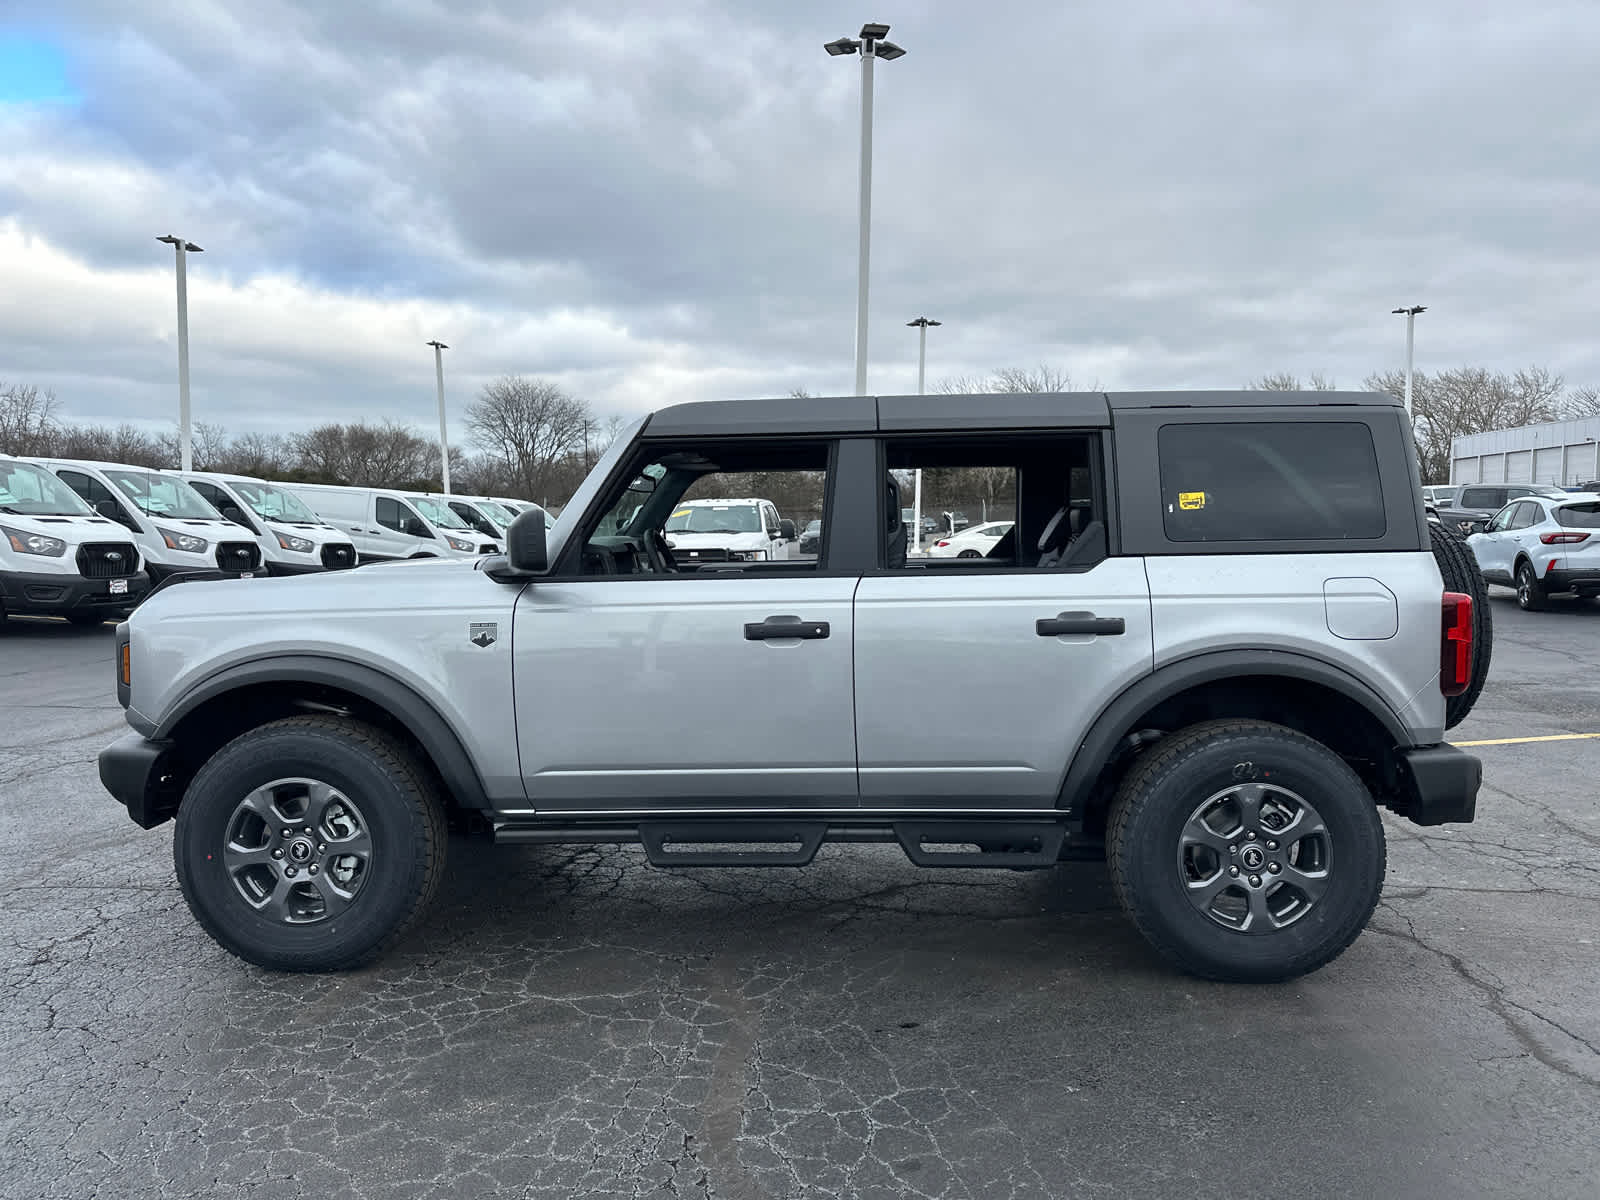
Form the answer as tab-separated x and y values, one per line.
1549	737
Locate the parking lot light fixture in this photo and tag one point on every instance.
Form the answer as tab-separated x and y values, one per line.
181	248
444	441
870	44
1411	326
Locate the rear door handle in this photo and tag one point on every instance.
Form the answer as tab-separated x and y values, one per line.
1079	622
784	627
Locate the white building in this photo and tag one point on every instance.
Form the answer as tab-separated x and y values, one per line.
1559	452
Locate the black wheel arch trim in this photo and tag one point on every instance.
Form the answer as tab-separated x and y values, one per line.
416	714
1114	720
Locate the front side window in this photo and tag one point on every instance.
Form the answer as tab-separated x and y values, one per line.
396	516
162	496
1281	482
1502	519
27	490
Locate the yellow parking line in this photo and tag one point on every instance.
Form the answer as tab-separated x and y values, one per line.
1549	737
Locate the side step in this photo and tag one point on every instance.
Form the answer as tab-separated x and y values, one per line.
731	843
943	843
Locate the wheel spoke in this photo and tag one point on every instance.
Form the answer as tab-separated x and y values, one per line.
276	903
1203	892
262	803
1311	884
318	797
1198	833
358	844
239	858
1260	918
1305	822
334	899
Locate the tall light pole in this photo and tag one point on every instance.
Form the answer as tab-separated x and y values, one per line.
444	441
870	44
182	247
1411	342
921	324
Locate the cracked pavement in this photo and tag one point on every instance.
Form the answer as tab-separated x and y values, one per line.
572	1023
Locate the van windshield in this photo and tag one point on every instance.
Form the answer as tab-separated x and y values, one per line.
30	491
498	513
715	518
163	495
274	504
440	513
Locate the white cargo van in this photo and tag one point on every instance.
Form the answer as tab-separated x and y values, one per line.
747	530
293	539
57	558
387	523
173	525
488	516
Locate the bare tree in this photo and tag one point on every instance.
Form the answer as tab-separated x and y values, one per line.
1283	382
1013	379
1581	402
363	455
124	444
527	425
1454	403
27	419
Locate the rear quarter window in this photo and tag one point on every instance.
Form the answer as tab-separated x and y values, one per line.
1279	482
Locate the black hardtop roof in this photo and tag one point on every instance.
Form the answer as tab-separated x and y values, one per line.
976	411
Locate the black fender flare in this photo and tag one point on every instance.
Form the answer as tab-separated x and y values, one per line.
1115	719
420	718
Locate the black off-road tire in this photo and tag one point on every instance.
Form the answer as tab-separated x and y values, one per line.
396	802
1153	810
1460	572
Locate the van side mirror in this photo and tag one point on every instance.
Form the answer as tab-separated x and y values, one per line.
413	527
111	510
525	544
786	529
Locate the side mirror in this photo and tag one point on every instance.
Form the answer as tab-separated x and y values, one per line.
525	546
786	529
232	512
413	527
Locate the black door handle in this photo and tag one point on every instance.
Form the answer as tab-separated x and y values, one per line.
785	627
1079	622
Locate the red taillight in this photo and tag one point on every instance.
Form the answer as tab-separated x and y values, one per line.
1455	644
941	543
1563	539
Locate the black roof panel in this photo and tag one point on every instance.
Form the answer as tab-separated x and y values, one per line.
792	414
993	410
1246	399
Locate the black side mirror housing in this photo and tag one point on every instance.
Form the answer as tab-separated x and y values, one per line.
786	529
413	527
526	553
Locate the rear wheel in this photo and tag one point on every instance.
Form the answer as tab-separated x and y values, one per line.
1530	592
969	554
1459	569
1246	851
309	844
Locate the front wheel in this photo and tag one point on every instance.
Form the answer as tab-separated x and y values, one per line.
1245	851
309	844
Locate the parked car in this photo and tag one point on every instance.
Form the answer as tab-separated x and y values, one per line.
58	557
1476	503
811	538
1542	546
293	539
175	528
1252	646
975	542
1439	495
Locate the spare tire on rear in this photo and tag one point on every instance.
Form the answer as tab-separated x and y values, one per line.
1460	571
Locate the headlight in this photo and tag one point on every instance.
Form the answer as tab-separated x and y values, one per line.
186	542
748	555
456	543
298	545
34	543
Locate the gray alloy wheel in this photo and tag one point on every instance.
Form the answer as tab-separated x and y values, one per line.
1530	592
1255	858
297	850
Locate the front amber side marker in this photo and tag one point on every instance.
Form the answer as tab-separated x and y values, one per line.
126	667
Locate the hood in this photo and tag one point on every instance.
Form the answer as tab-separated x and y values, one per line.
713	539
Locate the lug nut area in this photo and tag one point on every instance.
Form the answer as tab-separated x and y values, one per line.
1274	868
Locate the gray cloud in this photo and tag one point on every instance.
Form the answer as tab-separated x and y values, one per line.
658	203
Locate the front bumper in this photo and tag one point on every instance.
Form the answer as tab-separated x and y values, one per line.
45	594
293	568
1438	785
1584	580
138	773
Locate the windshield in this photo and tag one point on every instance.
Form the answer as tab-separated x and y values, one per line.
438	512
498	513
715	518
27	490
163	496
274	504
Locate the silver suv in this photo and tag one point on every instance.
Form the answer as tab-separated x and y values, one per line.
1218	637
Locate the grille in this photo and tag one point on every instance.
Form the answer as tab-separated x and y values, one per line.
107	560
337	557
702	554
238	556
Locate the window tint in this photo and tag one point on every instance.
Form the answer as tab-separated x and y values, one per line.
1041	494
1579	516
1291	481
1502	519
1525	514
392	514
1482	497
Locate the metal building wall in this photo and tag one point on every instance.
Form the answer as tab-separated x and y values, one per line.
1559	452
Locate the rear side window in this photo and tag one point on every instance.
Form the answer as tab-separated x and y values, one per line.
1579	516
1280	482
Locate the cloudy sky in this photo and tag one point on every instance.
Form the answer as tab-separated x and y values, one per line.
652	202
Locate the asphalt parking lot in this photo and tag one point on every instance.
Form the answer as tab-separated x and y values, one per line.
571	1022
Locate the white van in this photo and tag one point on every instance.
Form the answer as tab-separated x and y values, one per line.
173	525
57	558
749	530
388	524
293	539
488	516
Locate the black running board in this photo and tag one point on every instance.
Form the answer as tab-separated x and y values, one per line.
932	841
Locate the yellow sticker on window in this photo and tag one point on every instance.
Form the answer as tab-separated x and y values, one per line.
1191	500
682	512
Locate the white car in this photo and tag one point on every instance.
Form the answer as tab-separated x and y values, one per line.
1542	545
713	531
970	543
